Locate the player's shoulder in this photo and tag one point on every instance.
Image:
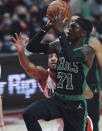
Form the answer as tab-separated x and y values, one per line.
95	43
88	48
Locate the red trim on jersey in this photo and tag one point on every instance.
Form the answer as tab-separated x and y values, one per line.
89	125
49	72
44	82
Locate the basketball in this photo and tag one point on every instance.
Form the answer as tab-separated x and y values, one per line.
61	6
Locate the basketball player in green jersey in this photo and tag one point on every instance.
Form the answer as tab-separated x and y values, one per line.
73	61
94	78
46	77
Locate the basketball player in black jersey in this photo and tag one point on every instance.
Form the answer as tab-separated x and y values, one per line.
94	80
94	77
73	62
46	77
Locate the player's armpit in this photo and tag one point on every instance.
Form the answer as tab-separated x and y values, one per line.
89	55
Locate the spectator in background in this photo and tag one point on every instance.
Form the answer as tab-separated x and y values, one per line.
85	9
21	20
8	6
43	8
97	22
35	24
75	4
2	7
7	31
29	3
96	11
96	7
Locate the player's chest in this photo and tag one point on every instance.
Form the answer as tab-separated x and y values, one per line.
68	66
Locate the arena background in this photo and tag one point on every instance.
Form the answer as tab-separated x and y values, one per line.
18	89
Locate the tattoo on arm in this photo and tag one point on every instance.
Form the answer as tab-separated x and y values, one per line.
89	55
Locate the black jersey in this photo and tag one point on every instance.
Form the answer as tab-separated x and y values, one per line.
71	76
93	77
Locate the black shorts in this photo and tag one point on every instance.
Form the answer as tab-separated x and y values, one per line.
72	112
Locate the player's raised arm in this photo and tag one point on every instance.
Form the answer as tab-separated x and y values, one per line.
34	71
77	34
97	45
34	45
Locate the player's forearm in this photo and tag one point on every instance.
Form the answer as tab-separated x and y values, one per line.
24	61
35	45
69	54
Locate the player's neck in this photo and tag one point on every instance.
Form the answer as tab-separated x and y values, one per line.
77	44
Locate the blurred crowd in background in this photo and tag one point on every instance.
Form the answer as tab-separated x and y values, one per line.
28	17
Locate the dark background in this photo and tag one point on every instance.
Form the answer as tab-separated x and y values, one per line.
10	68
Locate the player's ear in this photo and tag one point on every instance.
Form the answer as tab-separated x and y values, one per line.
83	33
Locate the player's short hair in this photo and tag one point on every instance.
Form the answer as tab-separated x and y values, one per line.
85	24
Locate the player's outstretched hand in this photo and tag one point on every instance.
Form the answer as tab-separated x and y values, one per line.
58	22
18	42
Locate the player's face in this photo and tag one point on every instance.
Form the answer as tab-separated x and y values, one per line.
52	60
72	29
74	32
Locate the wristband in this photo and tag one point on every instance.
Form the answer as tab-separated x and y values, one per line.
44	29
